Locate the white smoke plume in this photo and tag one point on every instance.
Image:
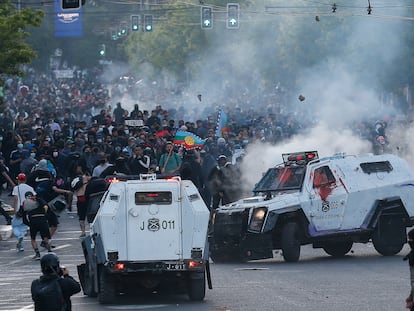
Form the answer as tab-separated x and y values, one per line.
326	141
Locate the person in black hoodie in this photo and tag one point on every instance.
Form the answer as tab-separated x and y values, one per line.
52	271
191	169
139	163
36	209
410	257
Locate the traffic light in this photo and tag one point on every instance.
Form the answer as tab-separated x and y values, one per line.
114	34
233	14
102	50
124	29
71	4
206	17
134	22
147	23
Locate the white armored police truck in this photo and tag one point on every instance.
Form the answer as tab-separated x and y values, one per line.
329	202
149	234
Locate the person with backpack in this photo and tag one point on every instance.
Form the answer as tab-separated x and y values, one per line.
18	226
36	209
41	179
52	291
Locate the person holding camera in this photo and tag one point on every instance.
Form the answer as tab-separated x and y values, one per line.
52	291
410	257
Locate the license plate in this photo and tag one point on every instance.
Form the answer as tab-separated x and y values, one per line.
175	266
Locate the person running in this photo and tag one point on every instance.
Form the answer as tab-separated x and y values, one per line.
18	226
36	209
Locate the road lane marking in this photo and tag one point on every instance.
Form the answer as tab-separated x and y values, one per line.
13	262
252	268
135	307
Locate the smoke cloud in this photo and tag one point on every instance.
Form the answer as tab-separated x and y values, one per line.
342	86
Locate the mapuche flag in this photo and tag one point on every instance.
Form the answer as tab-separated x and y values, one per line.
222	124
188	140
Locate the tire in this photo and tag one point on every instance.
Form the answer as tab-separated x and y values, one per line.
107	290
384	248
291	242
197	286
338	249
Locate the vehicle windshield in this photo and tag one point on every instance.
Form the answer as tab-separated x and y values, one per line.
281	179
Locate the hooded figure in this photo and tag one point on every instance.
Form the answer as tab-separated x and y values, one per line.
410	257
52	272
42	165
40	174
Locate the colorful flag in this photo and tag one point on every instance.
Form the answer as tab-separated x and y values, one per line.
163	133
188	140
222	124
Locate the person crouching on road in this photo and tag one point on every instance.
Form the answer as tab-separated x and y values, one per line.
410	257
18	227
36	209
51	272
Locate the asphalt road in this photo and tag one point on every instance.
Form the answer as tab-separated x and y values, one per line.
363	280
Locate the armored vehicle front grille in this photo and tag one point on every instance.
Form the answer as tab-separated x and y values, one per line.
231	224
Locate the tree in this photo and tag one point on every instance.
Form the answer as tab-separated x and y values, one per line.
174	39
13	30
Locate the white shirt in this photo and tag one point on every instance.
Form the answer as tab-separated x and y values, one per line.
20	191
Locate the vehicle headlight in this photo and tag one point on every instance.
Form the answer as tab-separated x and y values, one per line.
257	219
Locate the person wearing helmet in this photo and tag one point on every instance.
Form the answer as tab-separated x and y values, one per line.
18	227
52	291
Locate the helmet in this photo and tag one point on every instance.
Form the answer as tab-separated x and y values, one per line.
49	263
76	183
21	177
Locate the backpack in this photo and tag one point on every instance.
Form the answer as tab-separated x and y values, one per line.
44	190
49	296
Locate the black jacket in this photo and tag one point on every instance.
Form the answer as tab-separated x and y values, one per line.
68	285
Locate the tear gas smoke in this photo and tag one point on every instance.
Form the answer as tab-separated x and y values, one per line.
341	88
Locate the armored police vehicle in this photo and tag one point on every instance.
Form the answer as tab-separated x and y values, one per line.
329	202
148	233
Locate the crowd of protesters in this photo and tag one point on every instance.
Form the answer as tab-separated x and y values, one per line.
78	129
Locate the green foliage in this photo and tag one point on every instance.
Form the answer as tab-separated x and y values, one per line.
14	52
176	36
13	30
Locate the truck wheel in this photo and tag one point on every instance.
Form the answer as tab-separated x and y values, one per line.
291	242
384	246
197	286
107	291
338	249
